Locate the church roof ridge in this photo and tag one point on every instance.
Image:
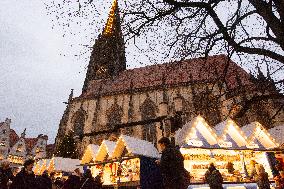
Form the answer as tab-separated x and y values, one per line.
177	73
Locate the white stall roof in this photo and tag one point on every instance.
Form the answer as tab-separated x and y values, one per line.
64	164
105	149
90	153
196	133
230	135
134	146
258	136
278	134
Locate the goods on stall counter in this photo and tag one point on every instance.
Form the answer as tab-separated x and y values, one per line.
218	157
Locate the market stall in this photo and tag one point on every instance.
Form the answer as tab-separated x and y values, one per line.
37	167
103	154
129	162
90	153
259	137
60	165
40	166
230	135
227	146
278	133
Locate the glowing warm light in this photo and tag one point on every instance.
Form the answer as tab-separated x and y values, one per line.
110	21
263	137
236	135
203	129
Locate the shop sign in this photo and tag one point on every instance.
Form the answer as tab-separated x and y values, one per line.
193	142
224	144
252	145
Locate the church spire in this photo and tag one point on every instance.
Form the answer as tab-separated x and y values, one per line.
113	17
108	56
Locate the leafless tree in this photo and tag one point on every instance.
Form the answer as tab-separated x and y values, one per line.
249	30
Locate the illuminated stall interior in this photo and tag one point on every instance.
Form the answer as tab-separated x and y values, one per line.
37	167
103	153
119	161
226	146
17	160
57	165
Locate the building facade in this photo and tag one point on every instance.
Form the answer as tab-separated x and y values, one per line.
215	88
17	149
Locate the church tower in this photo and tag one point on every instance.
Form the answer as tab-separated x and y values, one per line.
108	55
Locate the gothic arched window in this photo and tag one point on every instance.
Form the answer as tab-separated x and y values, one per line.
148	111
79	122
114	116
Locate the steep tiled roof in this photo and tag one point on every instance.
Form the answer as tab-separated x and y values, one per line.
30	143
49	150
13	137
171	74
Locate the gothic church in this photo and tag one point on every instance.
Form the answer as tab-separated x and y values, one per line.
214	88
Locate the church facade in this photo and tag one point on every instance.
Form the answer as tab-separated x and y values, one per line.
214	88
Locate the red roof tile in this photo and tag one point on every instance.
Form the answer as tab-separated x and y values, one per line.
50	150
193	70
30	143
13	137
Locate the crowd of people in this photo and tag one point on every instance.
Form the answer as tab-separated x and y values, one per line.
215	180
175	176
26	179
171	164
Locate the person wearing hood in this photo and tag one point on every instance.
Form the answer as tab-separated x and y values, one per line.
213	177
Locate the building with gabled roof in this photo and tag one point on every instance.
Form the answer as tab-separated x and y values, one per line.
17	149
213	87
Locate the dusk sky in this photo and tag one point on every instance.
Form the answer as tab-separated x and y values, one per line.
38	66
35	79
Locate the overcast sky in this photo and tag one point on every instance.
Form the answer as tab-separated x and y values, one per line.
38	67
34	78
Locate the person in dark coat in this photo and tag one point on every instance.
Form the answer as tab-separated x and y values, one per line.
172	167
98	181
44	182
261	177
58	183
88	181
73	181
6	175
25	179
213	177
